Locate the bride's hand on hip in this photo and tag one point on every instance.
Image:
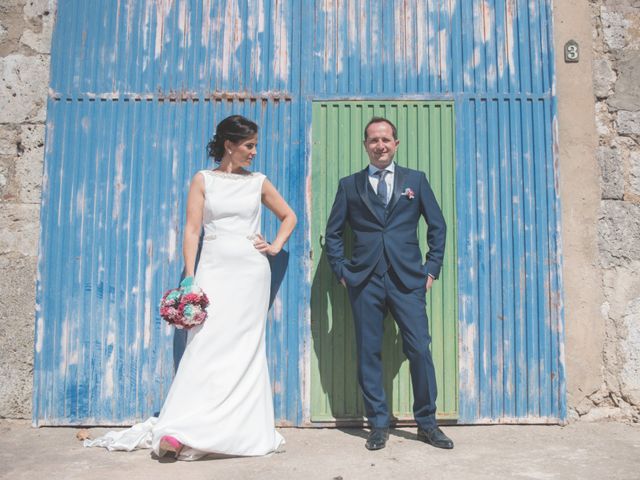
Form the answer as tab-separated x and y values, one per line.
265	247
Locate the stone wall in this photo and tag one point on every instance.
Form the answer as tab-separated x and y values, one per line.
25	37
616	82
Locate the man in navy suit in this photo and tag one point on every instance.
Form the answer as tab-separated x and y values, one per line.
383	204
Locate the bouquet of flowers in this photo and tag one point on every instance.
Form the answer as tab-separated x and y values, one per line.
185	306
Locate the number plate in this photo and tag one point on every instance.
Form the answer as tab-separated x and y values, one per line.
571	52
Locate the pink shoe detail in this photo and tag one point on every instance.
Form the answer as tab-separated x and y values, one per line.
169	444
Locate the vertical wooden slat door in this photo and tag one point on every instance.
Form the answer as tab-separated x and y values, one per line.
426	134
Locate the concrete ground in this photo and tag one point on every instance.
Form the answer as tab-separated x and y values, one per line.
577	451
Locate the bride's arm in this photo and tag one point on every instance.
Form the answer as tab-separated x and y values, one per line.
195	206
274	202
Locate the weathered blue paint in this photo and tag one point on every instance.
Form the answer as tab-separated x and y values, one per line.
136	89
111	227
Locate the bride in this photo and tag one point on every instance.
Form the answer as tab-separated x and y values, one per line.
220	400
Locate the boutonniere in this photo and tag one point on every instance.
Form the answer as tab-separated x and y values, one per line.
408	193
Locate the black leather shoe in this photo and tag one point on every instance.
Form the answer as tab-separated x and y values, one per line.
435	437
377	438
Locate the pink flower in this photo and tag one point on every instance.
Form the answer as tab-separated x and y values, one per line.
204	300
169	312
190	298
408	193
170	298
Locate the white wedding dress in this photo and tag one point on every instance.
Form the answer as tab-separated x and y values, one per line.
220	400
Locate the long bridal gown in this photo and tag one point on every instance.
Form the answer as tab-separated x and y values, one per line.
220	400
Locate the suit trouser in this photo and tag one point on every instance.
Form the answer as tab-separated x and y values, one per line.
370	303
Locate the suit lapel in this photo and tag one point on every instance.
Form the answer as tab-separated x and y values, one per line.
398	181
362	183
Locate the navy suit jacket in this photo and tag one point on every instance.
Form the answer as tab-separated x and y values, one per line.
394	233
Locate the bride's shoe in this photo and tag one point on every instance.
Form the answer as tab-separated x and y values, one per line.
169	444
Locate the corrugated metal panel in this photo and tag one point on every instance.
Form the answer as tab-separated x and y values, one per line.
493	59
174	47
426	133
414	47
511	329
113	209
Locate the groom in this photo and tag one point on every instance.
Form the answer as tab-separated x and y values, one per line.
383	204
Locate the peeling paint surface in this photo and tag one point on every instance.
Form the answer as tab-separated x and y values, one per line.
135	94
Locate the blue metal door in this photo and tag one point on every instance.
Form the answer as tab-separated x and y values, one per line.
136	90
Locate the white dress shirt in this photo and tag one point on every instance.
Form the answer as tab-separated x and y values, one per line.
374	179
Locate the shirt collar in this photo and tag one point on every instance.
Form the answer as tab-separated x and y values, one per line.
390	168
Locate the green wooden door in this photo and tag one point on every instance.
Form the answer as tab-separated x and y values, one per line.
426	133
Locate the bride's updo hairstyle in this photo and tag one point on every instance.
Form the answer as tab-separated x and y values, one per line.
235	128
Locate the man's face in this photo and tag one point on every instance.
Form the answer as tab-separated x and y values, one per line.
380	144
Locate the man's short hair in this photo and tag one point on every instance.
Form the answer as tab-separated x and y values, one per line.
384	120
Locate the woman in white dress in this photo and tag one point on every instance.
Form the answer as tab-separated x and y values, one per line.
220	400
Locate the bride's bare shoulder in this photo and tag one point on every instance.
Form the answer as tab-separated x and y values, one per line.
199	180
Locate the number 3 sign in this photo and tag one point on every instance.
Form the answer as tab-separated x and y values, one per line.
571	52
